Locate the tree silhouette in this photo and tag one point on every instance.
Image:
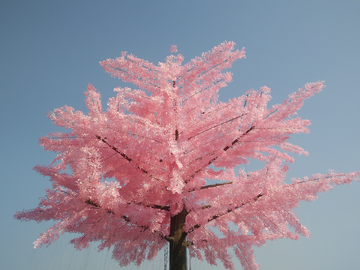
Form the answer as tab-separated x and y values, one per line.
161	165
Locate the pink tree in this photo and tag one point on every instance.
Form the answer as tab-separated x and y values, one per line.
158	147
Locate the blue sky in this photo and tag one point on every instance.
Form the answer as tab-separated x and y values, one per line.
50	51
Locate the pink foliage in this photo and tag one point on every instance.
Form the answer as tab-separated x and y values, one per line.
153	152
173	49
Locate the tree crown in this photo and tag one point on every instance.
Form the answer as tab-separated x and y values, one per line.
122	174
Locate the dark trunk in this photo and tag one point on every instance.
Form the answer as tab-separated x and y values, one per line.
178	258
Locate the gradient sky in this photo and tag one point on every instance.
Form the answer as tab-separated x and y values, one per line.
50	51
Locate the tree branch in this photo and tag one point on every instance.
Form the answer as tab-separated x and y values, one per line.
211	186
125	156
237	140
127	219
227	121
113	148
216	185
257	198
224	213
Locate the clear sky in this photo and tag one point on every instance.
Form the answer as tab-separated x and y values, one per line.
50	51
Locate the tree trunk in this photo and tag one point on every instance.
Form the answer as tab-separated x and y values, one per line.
178	257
